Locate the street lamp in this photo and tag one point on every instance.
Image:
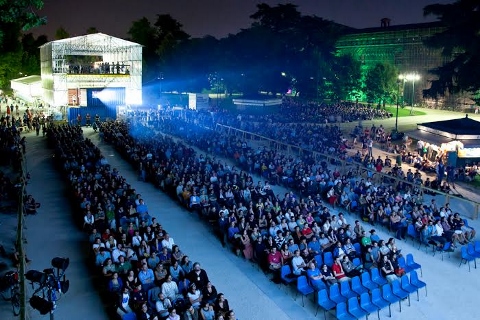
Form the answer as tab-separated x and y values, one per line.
412	77
401	77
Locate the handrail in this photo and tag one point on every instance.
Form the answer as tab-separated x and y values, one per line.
19	242
290	149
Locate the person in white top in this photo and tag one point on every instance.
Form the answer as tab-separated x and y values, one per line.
170	289
298	263
168	242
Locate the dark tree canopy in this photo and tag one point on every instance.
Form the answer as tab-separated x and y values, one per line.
460	43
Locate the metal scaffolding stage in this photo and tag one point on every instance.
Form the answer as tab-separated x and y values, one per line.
70	67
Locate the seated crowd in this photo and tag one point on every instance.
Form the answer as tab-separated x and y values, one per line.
140	267
265	228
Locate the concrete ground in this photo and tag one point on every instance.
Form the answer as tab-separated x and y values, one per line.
451	289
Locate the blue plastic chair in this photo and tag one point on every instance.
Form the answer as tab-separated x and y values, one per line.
356	262
377	278
476	245
412	265
334	294
471	251
378	301
466	258
303	287
328	259
357	247
414	281
388	295
413	234
342	313
319	260
447	248
324	301
401	263
367	305
357	286
407	286
399	292
129	316
346	291
355	310
367	281
286	275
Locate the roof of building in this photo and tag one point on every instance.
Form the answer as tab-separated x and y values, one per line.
94	39
28	79
462	126
400	27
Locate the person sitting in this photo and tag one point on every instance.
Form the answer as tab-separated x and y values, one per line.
162	305
30	205
349	269
298	263
315	277
338	272
387	269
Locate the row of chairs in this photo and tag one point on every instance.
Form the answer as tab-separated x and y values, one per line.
469	253
352	304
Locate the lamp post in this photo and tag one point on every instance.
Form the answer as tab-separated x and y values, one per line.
412	77
401	77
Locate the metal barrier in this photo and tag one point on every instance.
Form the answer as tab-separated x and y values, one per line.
20	240
465	207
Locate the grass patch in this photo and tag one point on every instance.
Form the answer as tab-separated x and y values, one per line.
404	112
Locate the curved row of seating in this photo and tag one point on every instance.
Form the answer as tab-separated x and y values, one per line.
70	146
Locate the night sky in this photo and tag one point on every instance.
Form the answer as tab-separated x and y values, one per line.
217	17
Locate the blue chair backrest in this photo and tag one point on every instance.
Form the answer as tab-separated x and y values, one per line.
334	291
302	282
477	245
375	273
345	287
376	294
129	316
366	277
285	270
356	282
447	246
322	296
341	309
404	280
401	262
411	231
365	299
465	254
356	262
319	260
413	276
396	285
353	304
470	249
409	259
358	248
386	290
328	258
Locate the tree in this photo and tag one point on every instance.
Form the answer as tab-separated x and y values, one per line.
19	14
61	33
92	30
381	83
460	44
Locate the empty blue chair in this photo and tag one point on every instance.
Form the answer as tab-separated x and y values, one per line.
335	295
367	281
402	263
377	278
471	251
324	301
357	286
399	292
346	291
446	248
286	275
414	281
355	310
328	259
367	305
342	313
412	265
407	286
413	233
356	262
466	258
388	295
378	301
319	260
476	245
303	287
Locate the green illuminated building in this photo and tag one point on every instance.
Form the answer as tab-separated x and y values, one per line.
401	46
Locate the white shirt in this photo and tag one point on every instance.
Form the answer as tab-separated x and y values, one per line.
296	262
170	290
168	243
